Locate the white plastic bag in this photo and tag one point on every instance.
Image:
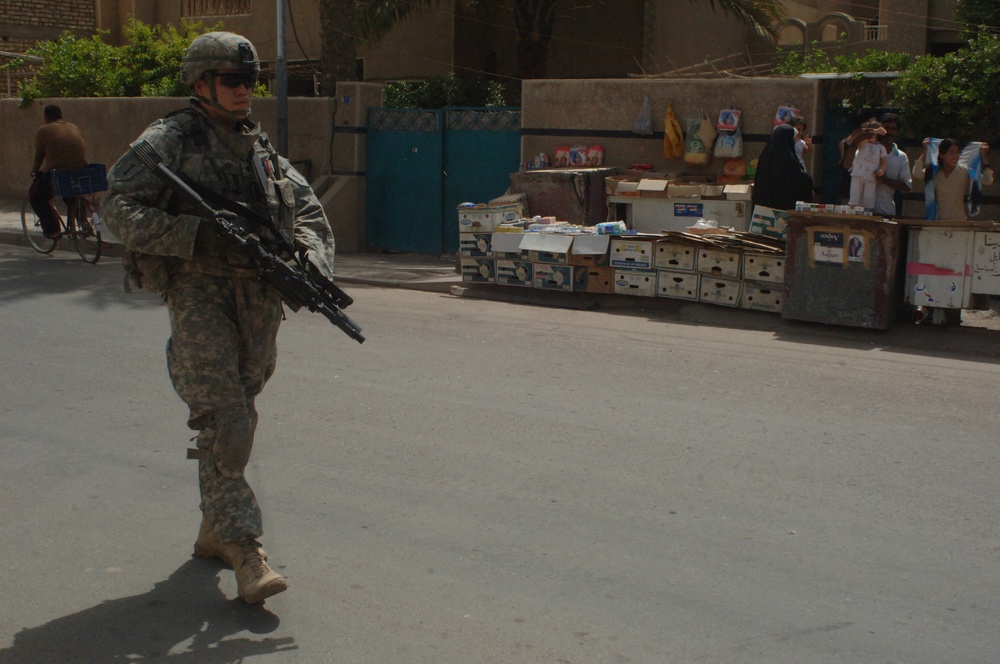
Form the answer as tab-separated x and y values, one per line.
729	145
644	121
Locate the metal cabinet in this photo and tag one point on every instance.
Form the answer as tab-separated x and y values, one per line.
986	263
938	267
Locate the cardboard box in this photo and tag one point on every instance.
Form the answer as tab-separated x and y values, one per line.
716	191
675	255
738	192
594	279
653	188
507	246
685	190
720	263
515	272
611	183
590	250
627	189
547	247
648	175
768	221
479	270
632	253
716	290
635	282
762	297
768	268
549	276
680	285
486	218
475	245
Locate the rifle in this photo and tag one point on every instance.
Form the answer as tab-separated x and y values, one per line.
297	286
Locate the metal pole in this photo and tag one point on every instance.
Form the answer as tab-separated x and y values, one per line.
281	84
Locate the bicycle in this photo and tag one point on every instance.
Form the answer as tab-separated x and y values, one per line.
82	222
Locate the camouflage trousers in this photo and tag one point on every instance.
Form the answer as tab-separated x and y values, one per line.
221	352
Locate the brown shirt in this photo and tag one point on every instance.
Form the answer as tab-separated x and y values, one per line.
59	145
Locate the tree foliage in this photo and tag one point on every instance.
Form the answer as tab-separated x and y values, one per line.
950	95
148	64
440	91
954	95
977	14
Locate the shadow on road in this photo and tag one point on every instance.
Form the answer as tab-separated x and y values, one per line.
25	274
184	618
979	340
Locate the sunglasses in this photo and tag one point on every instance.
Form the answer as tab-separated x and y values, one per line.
235	79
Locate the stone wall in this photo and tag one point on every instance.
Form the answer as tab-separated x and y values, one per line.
327	136
603	111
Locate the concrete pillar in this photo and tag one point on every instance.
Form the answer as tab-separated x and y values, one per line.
906	25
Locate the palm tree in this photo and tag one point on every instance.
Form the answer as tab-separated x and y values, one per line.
535	19
338	54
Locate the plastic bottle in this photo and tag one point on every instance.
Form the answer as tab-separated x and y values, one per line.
611	228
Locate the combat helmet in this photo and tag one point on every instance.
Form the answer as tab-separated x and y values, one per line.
218	50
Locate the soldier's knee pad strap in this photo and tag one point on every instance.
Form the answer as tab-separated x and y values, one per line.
227	435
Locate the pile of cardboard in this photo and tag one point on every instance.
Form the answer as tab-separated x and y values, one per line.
735	269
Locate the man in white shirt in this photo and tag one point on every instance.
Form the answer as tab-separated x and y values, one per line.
897	176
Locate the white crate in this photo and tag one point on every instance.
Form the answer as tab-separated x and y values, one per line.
635	282
719	263
479	270
768	268
632	254
717	290
680	285
762	297
672	255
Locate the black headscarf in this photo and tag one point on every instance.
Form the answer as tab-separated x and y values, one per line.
781	180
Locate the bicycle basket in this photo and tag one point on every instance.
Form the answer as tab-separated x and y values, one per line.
87	180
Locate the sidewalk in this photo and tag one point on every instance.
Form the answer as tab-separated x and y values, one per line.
437	274
411	271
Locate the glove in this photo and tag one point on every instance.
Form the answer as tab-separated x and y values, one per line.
211	242
208	242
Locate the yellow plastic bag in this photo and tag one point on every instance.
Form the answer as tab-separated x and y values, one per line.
673	135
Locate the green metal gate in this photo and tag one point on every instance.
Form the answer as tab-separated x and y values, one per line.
422	163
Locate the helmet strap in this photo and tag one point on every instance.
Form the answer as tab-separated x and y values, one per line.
235	116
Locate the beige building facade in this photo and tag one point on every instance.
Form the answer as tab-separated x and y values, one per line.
599	39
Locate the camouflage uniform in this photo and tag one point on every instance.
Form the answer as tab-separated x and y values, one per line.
223	321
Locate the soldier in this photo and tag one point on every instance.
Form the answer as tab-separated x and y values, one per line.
223	321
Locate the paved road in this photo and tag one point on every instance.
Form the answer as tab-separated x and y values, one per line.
492	482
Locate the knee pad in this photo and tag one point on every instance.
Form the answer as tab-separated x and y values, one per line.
229	437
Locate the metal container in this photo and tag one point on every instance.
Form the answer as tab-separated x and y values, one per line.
845	270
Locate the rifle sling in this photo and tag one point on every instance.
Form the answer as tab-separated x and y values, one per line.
217	201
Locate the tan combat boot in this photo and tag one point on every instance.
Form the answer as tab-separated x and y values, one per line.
255	581
209	545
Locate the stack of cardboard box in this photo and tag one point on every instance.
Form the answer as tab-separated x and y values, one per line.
735	269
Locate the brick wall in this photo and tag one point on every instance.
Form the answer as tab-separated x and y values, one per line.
24	23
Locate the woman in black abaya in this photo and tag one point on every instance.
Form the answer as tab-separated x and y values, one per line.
781	180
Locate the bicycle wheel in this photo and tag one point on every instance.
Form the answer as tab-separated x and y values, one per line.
86	230
32	227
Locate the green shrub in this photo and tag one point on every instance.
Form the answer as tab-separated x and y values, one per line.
954	95
441	91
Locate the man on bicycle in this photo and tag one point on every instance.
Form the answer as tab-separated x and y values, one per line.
58	145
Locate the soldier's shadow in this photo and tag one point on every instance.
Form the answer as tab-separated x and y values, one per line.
184	618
